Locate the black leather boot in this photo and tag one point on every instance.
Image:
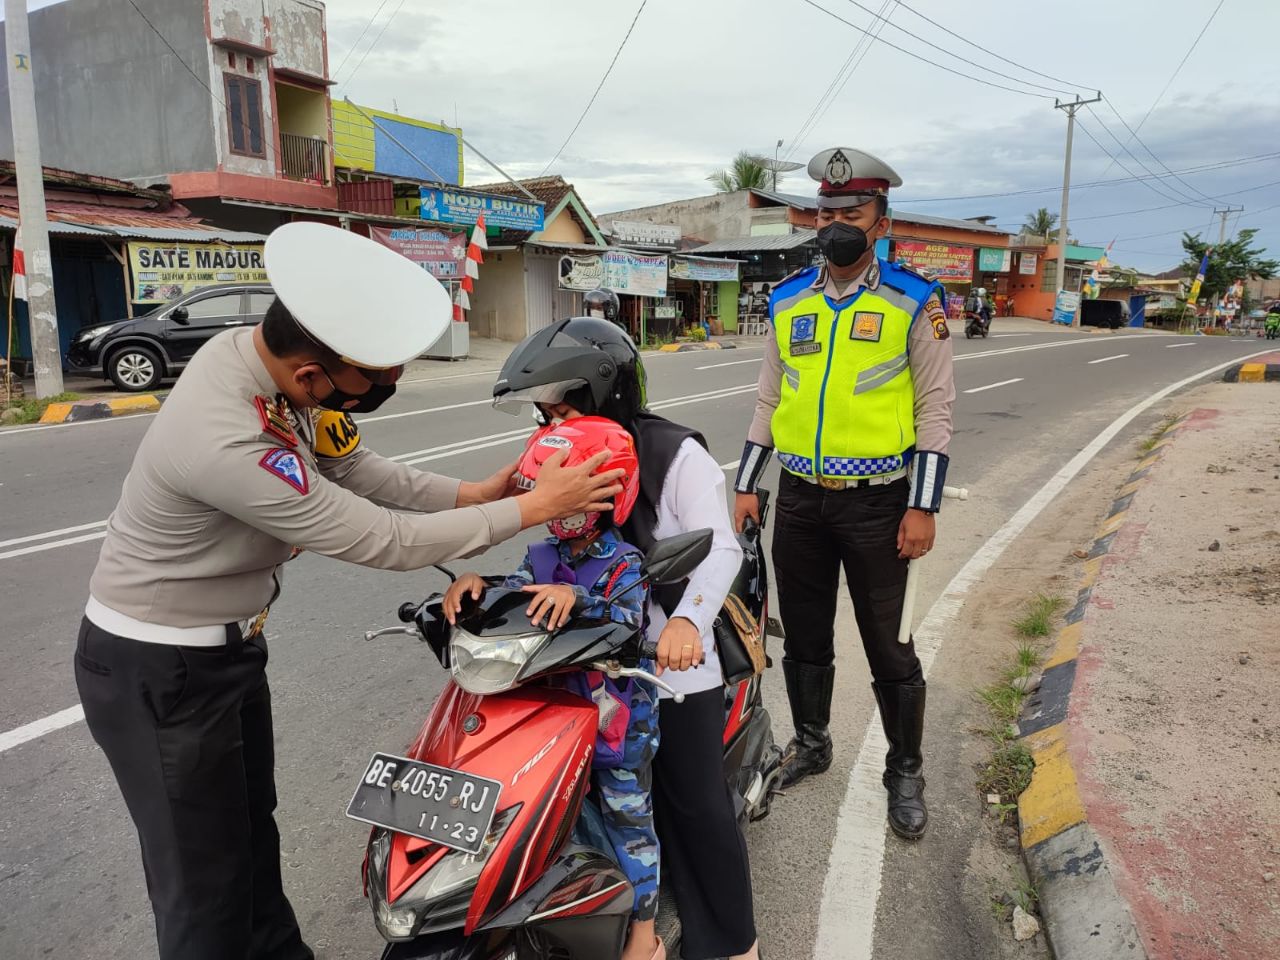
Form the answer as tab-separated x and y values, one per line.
902	713
809	690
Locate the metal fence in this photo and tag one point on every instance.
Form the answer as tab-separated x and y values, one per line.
304	158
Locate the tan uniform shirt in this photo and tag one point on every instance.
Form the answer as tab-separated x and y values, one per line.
931	371
208	512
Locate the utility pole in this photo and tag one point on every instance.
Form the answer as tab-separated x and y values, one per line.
42	311
1071	109
1222	224
775	166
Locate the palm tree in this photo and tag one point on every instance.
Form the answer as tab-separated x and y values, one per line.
745	173
1040	223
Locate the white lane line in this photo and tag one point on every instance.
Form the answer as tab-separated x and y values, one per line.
731	363
851	891
992	386
1001	336
38	728
731	465
1118	356
425	455
415	413
1004	351
52	533
1175	346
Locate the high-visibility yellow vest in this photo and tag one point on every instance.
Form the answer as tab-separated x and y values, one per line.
847	407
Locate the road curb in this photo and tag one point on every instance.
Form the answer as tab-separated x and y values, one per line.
689	347
1252	373
1085	916
83	410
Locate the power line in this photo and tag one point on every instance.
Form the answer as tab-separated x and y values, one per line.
599	86
244	124
829	95
1176	70
1170	206
949	53
1140	162
1145	181
352	48
352	75
916	56
992	53
1133	135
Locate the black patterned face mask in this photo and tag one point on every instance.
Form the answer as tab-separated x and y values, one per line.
842	244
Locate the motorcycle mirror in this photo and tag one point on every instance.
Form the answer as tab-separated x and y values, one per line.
446	571
672	559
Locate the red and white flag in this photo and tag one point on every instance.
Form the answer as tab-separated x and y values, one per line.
19	271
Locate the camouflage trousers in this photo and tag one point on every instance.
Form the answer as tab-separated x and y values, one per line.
622	795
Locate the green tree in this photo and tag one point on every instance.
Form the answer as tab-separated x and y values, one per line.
745	173
1232	260
1040	223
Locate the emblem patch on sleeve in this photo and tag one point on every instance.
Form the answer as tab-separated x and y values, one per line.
336	435
288	466
866	326
937	319
275	421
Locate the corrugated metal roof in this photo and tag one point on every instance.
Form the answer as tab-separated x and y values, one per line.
797	200
776	241
978	227
92	220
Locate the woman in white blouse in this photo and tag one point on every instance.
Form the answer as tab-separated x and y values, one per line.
585	366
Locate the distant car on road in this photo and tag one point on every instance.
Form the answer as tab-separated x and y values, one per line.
1104	313
137	354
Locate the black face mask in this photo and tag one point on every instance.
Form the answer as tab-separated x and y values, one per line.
343	402
842	244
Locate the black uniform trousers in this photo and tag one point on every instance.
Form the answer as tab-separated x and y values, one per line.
816	531
187	731
704	855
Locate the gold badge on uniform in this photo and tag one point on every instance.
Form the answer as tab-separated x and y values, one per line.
866	326
938	319
336	435
275	421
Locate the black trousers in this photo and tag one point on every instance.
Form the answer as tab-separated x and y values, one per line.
704	855
815	532
187	731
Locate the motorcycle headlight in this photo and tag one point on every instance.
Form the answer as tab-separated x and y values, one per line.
485	665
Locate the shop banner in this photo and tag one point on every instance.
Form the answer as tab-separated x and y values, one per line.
1027	264
442	253
646	234
942	260
164	271
703	268
635	274
1064	308
442	205
991	260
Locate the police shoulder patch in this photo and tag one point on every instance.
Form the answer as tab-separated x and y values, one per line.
915	271
937	318
288	466
336	435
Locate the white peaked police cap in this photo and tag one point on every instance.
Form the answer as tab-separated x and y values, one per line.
365	302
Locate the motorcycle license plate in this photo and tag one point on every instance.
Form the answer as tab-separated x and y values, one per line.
448	807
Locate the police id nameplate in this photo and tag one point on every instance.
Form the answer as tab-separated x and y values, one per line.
800	349
448	807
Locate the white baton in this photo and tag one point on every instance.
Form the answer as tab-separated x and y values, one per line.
913	576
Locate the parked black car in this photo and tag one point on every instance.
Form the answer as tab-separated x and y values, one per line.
137	354
1104	313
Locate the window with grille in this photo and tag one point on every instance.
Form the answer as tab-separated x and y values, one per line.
244	115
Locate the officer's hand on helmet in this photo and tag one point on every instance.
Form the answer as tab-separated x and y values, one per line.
745	505
567	491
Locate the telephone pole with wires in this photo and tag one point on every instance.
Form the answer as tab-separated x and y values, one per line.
1222	223
1071	108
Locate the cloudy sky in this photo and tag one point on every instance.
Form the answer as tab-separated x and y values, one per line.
700	79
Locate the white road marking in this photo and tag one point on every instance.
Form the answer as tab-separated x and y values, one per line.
414	413
38	728
1118	356
1175	346
992	386
731	363
425	455
999	336
1004	351
851	891
731	465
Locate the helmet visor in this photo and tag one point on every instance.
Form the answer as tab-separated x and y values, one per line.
516	401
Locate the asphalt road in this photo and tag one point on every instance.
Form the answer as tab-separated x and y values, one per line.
70	879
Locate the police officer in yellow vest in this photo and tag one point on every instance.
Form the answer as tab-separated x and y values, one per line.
855	395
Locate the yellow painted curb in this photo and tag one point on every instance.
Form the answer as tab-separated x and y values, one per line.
1052	802
145	403
56	413
1068	645
1253	372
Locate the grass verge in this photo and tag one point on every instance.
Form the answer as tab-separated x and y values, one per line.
1149	444
1037	622
31	410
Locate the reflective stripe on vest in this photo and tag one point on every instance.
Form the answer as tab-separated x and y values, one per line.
847	405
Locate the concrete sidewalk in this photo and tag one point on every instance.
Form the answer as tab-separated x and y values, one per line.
1172	732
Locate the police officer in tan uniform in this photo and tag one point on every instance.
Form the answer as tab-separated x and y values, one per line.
253	456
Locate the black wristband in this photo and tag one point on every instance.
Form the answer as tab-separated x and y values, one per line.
754	459
928	478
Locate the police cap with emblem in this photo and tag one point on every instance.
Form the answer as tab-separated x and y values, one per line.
365	302
850	178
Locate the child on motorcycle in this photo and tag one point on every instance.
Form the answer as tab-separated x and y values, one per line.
571	573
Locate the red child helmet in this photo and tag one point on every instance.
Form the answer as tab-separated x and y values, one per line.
583	438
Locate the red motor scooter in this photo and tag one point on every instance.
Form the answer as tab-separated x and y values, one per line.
482	847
